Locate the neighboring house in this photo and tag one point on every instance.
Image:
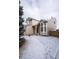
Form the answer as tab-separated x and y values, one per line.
39	27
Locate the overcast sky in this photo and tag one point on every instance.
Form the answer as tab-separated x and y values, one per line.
41	9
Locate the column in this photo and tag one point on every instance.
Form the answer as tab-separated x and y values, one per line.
35	29
46	29
40	28
43	28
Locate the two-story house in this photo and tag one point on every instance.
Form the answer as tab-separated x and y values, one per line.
39	27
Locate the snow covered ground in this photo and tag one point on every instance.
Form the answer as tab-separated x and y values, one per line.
40	47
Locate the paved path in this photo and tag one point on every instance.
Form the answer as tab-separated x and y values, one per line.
40	47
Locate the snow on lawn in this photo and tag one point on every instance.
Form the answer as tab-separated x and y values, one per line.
40	47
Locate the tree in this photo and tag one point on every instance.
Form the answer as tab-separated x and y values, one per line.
21	26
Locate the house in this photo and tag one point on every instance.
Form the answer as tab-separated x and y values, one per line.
39	27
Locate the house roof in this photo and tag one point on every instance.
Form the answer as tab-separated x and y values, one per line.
30	19
43	20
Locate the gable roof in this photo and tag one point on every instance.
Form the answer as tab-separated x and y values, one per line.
30	19
43	20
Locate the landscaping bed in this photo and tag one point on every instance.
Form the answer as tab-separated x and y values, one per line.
21	42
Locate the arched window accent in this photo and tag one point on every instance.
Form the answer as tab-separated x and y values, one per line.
45	26
41	27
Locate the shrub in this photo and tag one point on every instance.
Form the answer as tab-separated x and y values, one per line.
21	42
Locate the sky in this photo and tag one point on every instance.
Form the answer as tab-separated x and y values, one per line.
41	9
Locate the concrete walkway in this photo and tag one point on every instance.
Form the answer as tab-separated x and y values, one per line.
40	47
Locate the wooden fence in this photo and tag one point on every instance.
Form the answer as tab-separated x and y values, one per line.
54	33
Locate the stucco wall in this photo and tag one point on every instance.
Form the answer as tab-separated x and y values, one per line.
29	30
34	22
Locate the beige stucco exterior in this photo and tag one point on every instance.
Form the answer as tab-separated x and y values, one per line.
29	27
50	26
35	22
28	30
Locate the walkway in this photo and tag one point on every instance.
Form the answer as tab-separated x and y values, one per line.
40	47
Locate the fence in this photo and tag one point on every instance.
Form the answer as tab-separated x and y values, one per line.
54	33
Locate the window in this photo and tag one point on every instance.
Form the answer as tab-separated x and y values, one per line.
45	27
41	27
